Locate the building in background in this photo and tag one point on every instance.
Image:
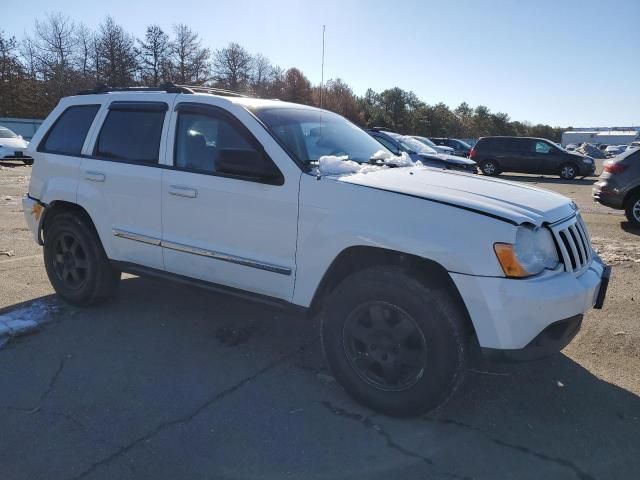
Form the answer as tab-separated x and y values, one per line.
22	126
601	135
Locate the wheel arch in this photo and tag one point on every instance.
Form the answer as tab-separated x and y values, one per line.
629	195
356	258
58	207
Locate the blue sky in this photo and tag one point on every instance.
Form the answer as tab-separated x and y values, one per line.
559	62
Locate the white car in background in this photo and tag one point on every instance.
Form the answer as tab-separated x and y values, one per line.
613	150
12	146
437	148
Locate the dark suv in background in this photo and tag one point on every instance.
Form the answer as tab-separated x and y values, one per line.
460	148
619	185
529	155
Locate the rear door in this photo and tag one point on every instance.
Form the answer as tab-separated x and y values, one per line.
221	223
121	181
548	157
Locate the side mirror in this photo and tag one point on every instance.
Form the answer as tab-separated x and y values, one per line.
251	164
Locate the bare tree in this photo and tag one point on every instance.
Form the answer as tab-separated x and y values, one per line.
154	50
189	60
85	53
232	67
262	75
116	54
297	87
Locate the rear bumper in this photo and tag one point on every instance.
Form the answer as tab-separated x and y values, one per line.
607	196
33	214
509	314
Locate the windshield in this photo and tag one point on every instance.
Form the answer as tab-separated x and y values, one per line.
414	145
6	133
310	134
427	142
464	144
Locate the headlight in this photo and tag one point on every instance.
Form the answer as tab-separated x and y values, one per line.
587	160
533	251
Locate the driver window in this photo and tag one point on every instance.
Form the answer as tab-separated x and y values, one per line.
542	147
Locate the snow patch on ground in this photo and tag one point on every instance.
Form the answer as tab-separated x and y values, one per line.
616	251
25	320
333	165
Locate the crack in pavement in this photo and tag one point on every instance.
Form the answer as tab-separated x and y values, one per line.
186	418
391	444
581	474
54	379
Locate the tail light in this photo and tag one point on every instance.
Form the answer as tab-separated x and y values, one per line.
472	153
614	168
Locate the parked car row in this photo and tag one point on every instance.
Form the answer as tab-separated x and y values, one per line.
419	150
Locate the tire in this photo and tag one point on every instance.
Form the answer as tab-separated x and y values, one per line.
382	329
28	161
568	171
71	244
632	210
489	168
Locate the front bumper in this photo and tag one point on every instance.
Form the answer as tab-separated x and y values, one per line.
509	314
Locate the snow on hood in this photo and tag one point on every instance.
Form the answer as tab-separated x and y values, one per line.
332	165
511	201
13	143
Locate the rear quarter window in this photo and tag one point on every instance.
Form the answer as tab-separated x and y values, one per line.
68	133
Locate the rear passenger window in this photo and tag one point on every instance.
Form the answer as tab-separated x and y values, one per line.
131	135
68	133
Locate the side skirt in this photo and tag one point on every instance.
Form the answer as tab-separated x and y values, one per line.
140	270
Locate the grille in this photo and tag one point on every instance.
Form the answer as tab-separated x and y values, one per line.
573	244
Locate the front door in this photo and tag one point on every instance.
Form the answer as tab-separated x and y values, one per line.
225	221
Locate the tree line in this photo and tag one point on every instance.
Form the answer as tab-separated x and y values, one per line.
59	57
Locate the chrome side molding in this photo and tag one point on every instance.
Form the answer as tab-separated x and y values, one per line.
224	257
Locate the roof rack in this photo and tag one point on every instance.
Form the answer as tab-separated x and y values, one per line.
380	129
163	87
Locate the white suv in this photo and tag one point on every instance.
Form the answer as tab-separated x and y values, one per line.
408	266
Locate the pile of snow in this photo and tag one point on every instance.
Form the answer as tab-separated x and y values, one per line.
22	321
333	165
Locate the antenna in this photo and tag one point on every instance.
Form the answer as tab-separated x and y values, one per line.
322	68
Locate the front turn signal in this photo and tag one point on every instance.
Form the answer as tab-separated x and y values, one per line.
509	261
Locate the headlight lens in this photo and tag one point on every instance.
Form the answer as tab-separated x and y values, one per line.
533	251
587	160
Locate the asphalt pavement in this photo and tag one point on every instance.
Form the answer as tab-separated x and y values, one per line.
168	381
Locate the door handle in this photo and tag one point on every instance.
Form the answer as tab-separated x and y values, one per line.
95	176
182	191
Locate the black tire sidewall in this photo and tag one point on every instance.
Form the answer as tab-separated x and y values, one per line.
629	210
72	225
446	348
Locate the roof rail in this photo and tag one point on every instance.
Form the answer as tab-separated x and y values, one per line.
380	129
163	87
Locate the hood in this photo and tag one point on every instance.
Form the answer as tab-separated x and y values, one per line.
443	157
13	143
510	201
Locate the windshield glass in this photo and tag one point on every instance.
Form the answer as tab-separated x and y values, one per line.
427	142
6	133
414	145
464	144
310	134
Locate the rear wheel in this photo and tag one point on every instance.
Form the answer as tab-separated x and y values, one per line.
76	263
28	161
568	171
394	343
632	210
489	167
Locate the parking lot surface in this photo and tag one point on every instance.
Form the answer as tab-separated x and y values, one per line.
168	381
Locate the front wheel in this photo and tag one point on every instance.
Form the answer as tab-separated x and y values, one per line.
632	210
76	263
489	167
568	171
395	344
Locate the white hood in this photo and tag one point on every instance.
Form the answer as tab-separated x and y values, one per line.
14	143
511	201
